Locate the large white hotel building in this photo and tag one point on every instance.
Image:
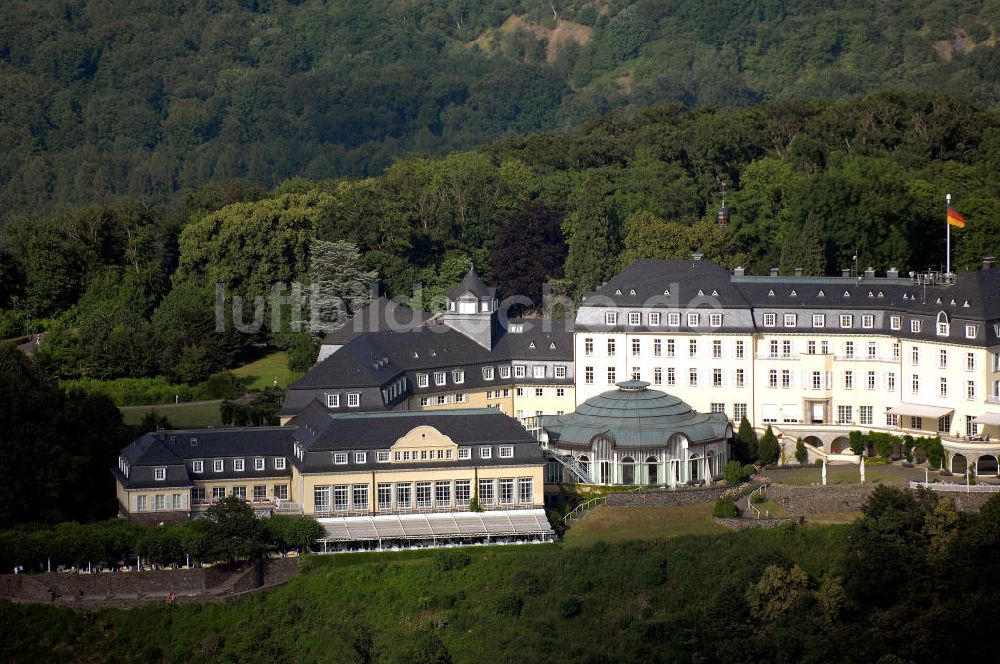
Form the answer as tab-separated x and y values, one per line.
815	357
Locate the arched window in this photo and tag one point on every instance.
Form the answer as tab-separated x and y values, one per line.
943	324
628	470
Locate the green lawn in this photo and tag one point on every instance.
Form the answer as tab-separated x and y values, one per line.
197	415
874	474
618	524
263	372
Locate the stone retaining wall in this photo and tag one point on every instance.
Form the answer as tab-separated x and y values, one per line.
809	500
672	497
743	524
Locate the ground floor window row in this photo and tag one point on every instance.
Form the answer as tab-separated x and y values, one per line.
408	496
645	469
257	493
160	502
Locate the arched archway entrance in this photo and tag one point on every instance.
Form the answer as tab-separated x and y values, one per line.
958	464
987	465
628	470
840	445
814	441
651	473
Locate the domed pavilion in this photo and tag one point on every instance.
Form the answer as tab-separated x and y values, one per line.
634	435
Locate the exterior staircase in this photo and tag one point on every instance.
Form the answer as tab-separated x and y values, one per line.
577	471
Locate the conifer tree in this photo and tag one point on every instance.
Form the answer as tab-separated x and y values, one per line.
745	446
768	451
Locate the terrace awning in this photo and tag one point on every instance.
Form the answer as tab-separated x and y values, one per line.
920	410
988	418
444	525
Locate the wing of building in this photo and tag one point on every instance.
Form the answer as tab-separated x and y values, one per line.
814	357
391	358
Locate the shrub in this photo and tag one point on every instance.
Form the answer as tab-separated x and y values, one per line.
857	442
447	561
725	508
801	454
767	449
736	473
293	532
749	470
757	498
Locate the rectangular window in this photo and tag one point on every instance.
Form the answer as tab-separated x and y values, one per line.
740	378
634	318
817	380
442	494
440	378
280	491
916	423
914	355
158	503
260	492
238	465
673	319
865	415
693	377
670	347
846	320
943	387
790	320
890	381
384	496
442	399
198	466
849	380
159	474
970	361
970	331
560	391
819	320
321	499
970	390
867	321
506	490
425	401
198	495
423	494
636	348
770	320
340	458
611	375
915	326
359	497
849	350
458	376
943	359
943	329
872	350
486	492
915	384
871	380
717	349
654	319
423	380
560	371
716	377
944	424
845	414
891	420
485	452
218	493
692	348
895	322
353	400
657	376
610	318
506	452
333	401
786	349
588	375
525	491
360	457
505	372
487	373
786	378
718	407
611	347
694	319
259	463
341	498
279	463
810	348
739	412
772	378
404	495
217	465
382	456
715	320
538	371
520	371
657	347
671	376
895	352
588	346
739	350
140	503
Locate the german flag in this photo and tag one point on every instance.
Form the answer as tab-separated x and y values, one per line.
955	218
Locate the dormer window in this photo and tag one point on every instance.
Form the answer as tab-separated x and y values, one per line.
198	466
218	465
239	465
673	319
279	462
333	401
423	380
258	463
654	319
846	320
440	378
694	319
970	331
458	376
353	400
943	326
915	326
515	328
610	318
538	371
819	320
519	371
715	320
634	318
159	474
487	373
505	372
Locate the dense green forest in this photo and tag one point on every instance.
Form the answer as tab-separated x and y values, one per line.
908	582
147	99
127	289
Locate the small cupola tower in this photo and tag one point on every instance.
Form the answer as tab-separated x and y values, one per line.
472	309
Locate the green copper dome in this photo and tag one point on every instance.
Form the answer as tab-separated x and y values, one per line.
633	416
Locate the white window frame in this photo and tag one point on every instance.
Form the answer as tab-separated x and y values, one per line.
218	465
770	320
915	326
259	463
790	320
867	321
333	401
160	474
353	399
693	319
505	372
506	452
560	371
457	376
239	465
487	373
485	452
674	319
715	320
423	380
360	457
970	331
819	320
634	318
340	458
846	321
538	371
610	317
520	370
198	466
440	378
464	453
279	463
654	319
895	322
382	456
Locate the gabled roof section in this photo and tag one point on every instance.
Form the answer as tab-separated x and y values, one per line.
380	315
471	283
653	282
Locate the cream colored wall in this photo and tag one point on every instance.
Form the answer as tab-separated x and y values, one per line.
128	497
547	404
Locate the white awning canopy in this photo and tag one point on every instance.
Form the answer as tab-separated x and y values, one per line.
988	418
444	525
920	410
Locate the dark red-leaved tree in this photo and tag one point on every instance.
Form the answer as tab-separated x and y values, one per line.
529	251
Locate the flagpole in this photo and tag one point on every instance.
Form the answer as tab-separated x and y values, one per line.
947	269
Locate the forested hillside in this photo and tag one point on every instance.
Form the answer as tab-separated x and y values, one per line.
100	100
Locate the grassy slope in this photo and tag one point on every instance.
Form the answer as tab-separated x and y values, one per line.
619	524
198	415
266	369
505	596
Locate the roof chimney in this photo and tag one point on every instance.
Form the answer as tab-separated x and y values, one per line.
798	272
869	272
739	272
989	262
774	271
846	273
697	255
892	273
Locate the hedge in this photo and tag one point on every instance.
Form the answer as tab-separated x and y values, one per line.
153	391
